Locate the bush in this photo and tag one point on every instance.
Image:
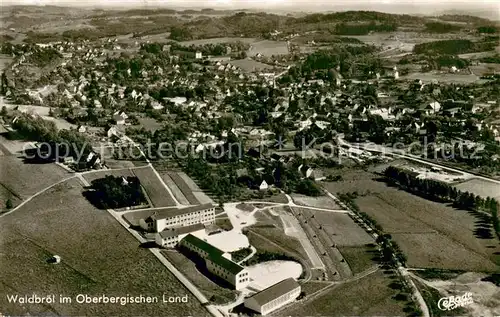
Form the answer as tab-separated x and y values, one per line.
265	256
487	29
438	27
239	255
114	192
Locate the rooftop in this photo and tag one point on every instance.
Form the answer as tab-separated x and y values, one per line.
214	254
161	213
172	232
271	293
203	245
226	263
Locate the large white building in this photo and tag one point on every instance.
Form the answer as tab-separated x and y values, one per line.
274	297
170	237
218	262
172	218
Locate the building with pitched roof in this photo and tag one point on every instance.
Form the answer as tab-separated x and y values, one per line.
274	297
217	261
165	218
170	237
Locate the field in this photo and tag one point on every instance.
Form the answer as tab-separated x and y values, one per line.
340	227
445	78
431	234
359	258
6	194
319	202
249	65
199	195
274	241
186	191
13	147
218	40
481	187
485	294
98	257
176	191
369	296
154	188
23	179
268	48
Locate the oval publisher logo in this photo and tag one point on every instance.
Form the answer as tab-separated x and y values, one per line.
452	302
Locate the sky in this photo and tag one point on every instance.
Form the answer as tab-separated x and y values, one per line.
299	5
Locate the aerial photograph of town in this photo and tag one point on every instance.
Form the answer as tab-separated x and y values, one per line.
249	158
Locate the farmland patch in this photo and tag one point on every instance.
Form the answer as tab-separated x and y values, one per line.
369	296
23	179
155	190
481	187
98	257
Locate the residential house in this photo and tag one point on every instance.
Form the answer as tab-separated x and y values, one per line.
119	120
263	185
433	107
306	171
82	129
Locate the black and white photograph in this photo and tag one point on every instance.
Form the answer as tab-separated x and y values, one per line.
245	158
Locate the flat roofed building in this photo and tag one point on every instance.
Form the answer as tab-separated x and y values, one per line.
174	217
217	261
274	297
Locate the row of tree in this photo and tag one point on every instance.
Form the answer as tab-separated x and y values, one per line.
35	128
115	192
441	191
390	250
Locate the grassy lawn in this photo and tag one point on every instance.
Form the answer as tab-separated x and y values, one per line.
98	257
430	274
224	223
24	179
312	287
369	296
276	235
215	293
359	258
423	228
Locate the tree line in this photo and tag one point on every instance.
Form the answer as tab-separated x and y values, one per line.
35	128
115	192
453	47
390	251
444	192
